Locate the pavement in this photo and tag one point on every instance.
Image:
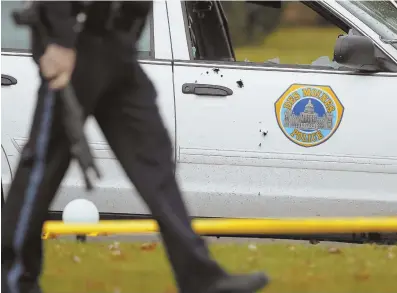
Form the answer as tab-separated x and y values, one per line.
156	238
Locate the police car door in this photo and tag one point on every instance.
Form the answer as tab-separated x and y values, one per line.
279	139
113	193
19	81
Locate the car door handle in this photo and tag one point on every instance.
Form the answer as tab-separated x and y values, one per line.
7	80
206	89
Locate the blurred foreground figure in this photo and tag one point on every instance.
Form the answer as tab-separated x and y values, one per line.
100	62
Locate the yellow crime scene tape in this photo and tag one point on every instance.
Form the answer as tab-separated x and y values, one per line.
53	229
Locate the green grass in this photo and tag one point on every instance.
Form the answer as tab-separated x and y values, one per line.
300	45
96	267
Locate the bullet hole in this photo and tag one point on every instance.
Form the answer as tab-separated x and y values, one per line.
216	70
221	75
260	130
195	81
260	122
259	193
260	144
207	72
264	133
240	83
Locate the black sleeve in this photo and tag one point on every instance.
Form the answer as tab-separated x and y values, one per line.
61	21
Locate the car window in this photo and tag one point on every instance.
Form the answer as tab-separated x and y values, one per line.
13	37
17	38
290	34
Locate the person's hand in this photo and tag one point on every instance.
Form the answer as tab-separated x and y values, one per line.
57	65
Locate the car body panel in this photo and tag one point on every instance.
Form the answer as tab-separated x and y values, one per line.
6	175
234	156
232	151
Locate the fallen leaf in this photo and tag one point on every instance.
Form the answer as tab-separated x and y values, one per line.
60	270
252	247
362	276
334	250
95	285
76	259
148	246
292	248
114	245
390	255
117	255
116	290
116	252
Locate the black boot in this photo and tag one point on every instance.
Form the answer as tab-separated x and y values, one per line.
239	284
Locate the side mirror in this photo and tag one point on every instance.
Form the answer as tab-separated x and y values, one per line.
356	52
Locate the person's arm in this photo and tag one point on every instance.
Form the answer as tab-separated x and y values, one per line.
61	22
58	61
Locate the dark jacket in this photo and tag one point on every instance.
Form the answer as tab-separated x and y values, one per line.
60	17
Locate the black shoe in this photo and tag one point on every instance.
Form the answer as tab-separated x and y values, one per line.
239	284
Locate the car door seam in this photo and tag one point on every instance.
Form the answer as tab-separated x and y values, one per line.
173	88
8	162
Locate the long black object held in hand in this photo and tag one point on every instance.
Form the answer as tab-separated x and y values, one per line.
72	111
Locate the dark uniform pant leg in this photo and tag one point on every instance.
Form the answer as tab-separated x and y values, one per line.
41	168
131	122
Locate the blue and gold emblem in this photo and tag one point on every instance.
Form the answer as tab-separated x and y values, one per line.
309	114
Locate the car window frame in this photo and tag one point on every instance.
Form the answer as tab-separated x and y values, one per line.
364	31
317	6
187	32
141	55
367	19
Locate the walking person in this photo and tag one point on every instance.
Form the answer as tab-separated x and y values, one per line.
101	64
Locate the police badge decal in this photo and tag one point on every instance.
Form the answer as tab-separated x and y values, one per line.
308	115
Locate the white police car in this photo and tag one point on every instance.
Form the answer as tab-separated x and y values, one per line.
251	139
